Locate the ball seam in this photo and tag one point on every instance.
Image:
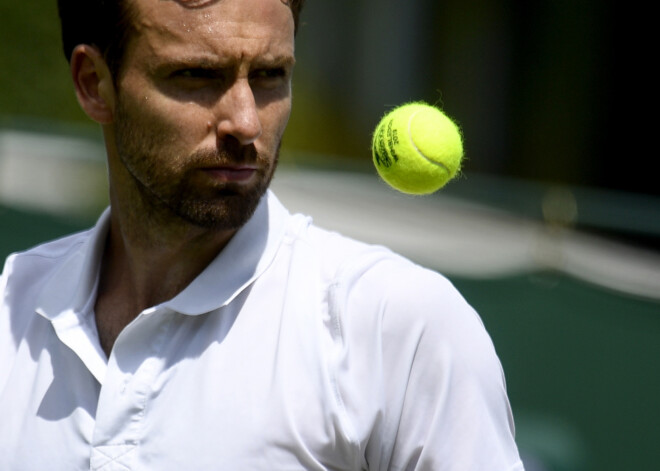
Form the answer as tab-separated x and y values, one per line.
412	141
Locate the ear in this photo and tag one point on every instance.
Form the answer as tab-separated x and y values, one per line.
93	83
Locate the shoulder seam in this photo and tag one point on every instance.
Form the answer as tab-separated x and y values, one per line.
38	251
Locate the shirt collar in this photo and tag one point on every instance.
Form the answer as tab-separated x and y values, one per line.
75	280
244	258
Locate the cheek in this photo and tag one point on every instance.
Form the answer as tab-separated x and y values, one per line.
276	117
179	125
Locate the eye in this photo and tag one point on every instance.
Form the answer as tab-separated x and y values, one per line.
269	76
270	73
197	73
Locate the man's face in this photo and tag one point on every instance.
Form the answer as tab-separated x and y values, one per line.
202	101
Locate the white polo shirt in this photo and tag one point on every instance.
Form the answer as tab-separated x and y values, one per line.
296	349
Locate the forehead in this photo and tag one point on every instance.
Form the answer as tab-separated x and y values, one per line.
245	28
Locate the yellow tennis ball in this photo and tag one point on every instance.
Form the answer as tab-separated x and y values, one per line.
417	149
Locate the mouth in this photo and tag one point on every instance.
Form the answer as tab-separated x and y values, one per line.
231	174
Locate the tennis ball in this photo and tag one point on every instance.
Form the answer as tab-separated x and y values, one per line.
417	149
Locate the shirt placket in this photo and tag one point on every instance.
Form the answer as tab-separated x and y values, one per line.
133	369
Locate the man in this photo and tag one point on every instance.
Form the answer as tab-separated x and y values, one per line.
199	325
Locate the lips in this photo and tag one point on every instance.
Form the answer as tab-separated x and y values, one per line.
231	174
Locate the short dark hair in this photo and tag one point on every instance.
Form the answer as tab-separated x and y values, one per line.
108	25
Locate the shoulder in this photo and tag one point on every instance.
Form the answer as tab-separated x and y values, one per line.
344	260
374	279
26	273
381	301
415	365
380	281
41	257
414	310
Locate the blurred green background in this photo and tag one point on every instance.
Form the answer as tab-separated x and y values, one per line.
549	94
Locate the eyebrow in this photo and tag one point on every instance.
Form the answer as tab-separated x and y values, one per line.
281	61
208	62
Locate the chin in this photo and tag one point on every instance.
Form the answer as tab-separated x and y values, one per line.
228	210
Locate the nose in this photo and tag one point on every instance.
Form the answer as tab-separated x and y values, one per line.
237	113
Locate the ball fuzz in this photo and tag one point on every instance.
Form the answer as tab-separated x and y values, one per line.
417	149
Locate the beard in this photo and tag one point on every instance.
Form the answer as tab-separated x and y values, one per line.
171	185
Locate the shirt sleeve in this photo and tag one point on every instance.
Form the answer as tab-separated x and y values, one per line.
428	371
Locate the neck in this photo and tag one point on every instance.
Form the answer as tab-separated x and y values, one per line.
150	258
